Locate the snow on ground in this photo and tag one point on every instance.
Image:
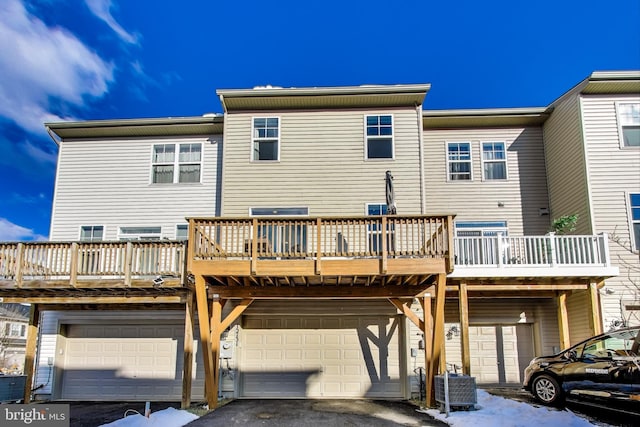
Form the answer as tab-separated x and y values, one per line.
169	417
491	411
496	411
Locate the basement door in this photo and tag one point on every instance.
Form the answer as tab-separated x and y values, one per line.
499	353
321	357
123	362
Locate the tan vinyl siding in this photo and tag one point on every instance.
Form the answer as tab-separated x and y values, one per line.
108	183
578	312
322	164
614	172
566	170
523	193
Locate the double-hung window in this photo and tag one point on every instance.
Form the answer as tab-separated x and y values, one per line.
634	202
91	233
169	168
629	123
459	161
379	141
266	139
494	161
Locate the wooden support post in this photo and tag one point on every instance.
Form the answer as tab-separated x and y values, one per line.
437	346
450	248
595	313
383	237
216	320
187	368
128	263
254	246
463	307
30	351
319	235
563	320
205	341
73	273
19	264
427	337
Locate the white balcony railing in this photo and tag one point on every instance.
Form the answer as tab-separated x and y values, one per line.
532	251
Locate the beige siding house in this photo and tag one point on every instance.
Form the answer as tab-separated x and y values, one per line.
295	278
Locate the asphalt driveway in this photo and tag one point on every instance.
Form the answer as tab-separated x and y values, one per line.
297	413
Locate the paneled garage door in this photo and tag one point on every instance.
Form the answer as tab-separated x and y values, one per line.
499	353
123	362
321	357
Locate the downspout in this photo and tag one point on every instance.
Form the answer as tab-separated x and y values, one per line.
421	158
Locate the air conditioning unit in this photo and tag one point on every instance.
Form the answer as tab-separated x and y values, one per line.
462	391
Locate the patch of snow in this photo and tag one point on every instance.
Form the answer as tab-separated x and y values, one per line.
169	417
496	411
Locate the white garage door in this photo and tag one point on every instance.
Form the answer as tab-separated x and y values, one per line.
123	362
499	353
316	357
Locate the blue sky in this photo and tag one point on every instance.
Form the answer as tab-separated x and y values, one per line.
105	59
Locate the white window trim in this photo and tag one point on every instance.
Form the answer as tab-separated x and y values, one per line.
632	235
253	139
483	161
104	232
176	163
619	123
392	136
470	161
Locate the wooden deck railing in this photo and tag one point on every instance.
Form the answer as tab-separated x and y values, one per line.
353	237
532	251
21	262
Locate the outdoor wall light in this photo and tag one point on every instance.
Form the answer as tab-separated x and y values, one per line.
501	204
453	332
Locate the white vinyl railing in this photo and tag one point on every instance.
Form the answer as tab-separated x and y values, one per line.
532	251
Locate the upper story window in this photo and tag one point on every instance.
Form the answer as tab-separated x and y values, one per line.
169	168
379	144
91	233
266	139
459	161
140	233
494	160
634	202
629	124
480	228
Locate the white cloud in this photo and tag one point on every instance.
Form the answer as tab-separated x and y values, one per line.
38	63
13	232
102	9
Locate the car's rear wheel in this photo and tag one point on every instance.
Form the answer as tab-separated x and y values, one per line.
547	390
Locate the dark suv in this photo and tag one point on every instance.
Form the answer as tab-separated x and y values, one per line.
606	366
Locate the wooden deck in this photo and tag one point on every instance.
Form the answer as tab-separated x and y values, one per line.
319	252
